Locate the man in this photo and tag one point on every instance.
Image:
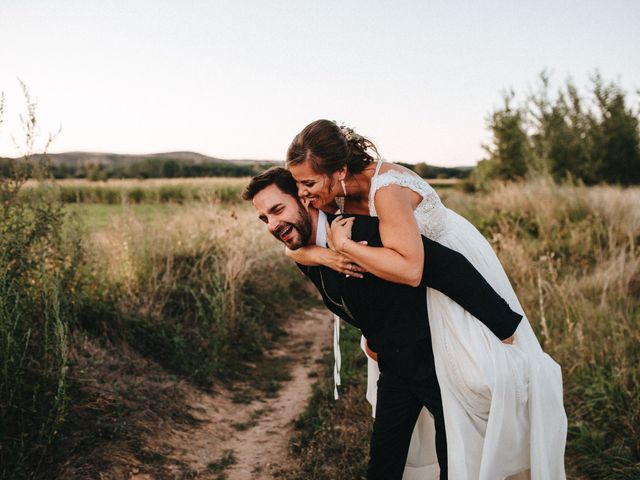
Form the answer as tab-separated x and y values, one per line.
393	317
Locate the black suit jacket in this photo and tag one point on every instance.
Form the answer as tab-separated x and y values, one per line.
394	318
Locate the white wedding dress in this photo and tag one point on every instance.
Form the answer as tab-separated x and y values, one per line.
502	403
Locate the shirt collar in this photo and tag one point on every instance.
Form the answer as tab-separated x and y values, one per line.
321	232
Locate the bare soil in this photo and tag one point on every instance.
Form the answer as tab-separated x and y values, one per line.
241	432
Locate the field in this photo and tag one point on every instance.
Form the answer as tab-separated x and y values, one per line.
181	274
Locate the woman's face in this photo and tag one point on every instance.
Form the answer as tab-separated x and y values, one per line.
317	189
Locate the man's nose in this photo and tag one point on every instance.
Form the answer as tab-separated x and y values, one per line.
272	224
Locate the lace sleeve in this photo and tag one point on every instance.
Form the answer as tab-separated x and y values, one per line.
394	177
430	213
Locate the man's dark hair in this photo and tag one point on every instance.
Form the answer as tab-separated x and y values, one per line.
278	175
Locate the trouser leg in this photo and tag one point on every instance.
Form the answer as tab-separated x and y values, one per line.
397	410
432	400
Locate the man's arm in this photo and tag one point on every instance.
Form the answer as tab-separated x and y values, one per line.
451	273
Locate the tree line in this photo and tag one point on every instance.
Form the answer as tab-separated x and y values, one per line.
147	168
172	168
593	137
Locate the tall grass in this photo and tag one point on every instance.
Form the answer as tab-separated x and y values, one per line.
198	290
573	254
37	272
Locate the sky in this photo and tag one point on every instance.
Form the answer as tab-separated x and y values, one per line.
238	79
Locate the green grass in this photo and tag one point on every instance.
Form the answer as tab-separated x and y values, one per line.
97	216
115	192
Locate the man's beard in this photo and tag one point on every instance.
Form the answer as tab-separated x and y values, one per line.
302	226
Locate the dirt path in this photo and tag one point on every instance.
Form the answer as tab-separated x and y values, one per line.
243	441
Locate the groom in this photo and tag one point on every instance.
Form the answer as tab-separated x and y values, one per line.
392	317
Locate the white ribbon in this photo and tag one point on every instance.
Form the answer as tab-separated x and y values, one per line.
337	357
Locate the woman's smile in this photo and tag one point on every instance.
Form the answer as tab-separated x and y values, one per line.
314	188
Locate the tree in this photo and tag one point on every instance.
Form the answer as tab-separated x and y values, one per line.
510	153
170	168
592	139
616	135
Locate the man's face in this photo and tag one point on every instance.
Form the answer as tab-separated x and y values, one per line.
286	218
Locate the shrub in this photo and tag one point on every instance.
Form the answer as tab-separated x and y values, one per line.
37	272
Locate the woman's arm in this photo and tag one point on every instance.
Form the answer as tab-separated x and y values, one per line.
401	260
313	255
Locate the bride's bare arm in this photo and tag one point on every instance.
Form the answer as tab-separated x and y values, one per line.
402	258
312	255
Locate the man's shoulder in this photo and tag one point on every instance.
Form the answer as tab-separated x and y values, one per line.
309	271
303	268
358	217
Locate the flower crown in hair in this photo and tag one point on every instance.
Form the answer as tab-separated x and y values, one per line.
348	133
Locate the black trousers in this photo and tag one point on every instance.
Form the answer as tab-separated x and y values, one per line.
399	403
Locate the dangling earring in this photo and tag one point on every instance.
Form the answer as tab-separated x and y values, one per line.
340	200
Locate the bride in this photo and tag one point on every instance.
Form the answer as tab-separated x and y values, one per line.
502	402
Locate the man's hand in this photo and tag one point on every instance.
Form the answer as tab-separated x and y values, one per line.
370	353
508	341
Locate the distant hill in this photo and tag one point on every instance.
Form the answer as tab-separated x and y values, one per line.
102	166
102	158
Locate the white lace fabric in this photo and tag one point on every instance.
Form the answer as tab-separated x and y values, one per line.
430	213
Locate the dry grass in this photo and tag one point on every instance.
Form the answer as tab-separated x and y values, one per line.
207	273
201	286
192	295
573	254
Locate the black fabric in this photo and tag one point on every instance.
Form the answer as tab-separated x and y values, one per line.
451	273
394	320
397	409
393	317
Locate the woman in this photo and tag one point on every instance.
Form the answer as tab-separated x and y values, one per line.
502	403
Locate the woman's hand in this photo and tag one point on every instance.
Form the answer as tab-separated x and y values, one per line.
314	256
339	232
343	264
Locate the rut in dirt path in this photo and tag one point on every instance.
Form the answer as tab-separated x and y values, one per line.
250	441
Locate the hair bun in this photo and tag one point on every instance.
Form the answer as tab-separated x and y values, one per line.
329	147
